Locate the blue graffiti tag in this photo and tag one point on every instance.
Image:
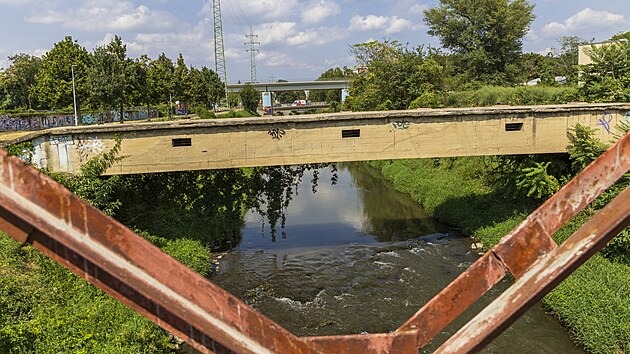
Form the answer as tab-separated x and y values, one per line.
606	123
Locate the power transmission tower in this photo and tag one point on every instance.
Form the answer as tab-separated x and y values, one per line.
219	48
252	50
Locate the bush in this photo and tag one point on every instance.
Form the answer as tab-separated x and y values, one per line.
237	114
428	99
619	248
514	96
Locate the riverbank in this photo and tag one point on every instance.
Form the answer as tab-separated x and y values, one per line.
594	302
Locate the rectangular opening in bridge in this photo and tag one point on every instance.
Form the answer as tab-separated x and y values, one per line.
179	142
513	127
351	133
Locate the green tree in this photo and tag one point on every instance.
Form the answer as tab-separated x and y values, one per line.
54	79
396	76
607	79
568	56
621	35
250	98
19	81
487	35
138	92
160	79
205	87
181	81
108	75
583	147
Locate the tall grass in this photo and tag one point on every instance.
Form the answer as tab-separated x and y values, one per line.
513	96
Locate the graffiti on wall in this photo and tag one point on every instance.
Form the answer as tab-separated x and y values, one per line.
34	123
276	133
626	118
9	123
401	125
605	121
93	145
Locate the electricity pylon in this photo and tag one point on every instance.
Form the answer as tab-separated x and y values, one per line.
219	48
252	50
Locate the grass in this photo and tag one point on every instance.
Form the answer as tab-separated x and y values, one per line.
593	303
44	308
513	96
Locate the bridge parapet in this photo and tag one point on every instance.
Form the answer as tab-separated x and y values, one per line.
339	137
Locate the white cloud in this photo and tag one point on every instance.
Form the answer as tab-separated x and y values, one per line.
587	20
266	10
320	36
387	24
418	9
275	32
273	58
105	15
318	10
532	37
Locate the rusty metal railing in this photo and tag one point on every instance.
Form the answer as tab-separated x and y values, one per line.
35	209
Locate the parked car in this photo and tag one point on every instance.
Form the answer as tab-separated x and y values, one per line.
298	103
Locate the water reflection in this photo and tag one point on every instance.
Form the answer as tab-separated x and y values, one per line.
390	214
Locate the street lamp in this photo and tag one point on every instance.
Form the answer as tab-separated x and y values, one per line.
74	98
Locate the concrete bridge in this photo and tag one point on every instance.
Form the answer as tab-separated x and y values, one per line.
229	143
292	86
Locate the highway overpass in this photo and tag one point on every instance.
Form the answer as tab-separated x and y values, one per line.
242	142
292	86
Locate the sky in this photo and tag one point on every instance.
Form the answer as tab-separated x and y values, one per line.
299	39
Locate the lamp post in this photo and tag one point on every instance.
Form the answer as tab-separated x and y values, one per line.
74	98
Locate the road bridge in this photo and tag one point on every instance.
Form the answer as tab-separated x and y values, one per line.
292	86
266	141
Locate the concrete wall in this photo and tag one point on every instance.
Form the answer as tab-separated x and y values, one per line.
228	143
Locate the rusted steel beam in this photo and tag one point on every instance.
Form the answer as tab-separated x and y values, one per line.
380	343
131	269
542	277
524	245
433	317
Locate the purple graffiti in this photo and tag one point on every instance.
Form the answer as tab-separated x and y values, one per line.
606	123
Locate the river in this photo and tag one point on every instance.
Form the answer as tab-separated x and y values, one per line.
358	256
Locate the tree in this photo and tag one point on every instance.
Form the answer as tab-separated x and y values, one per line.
108	75
205	87
396	76
487	35
138	92
249	97
181	82
19	81
621	35
54	79
160	79
607	79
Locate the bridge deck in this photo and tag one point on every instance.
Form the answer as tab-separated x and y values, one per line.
244	142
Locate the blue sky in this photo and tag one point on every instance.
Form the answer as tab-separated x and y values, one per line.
299	38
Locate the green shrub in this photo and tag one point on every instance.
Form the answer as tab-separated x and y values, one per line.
619	248
428	99
514	96
237	114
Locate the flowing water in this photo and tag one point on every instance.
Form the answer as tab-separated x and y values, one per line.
360	257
